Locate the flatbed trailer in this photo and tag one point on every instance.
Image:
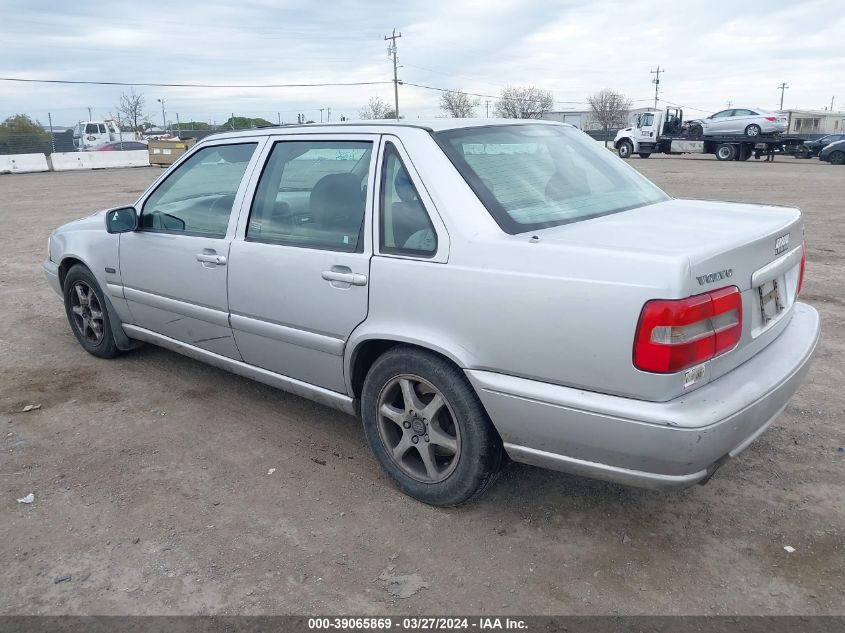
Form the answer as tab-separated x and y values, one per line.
724	146
663	133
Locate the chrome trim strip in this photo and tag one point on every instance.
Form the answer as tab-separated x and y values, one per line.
338	401
287	334
777	267
209	315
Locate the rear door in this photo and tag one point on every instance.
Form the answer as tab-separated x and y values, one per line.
300	264
174	267
743	118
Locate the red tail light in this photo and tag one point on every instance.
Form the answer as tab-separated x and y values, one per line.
771	118
673	335
801	270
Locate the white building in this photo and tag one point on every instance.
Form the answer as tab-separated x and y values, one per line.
814	122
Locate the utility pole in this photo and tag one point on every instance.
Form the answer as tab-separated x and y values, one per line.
488	108
89	113
328	114
831	103
53	138
233	120
163	116
656	82
729	103
279	115
391	52
782	87
321	114
178	125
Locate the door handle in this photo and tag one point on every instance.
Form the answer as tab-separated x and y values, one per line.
211	258
344	275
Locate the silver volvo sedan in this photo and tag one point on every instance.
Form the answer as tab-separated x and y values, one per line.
473	290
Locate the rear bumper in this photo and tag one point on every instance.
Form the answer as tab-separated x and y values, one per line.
650	444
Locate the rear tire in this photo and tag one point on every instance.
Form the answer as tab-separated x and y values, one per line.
427	428
802	152
753	130
725	151
837	158
86	310
625	149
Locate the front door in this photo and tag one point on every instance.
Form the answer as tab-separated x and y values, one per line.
174	267
299	268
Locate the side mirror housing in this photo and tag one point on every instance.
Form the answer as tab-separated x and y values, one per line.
122	220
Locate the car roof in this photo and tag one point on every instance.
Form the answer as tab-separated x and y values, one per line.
381	126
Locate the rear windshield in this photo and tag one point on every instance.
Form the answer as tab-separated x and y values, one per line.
536	176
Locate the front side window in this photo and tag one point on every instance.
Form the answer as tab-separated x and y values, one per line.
536	176
91	128
405	228
312	194
647	119
197	198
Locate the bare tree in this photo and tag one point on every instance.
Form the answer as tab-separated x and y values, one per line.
132	108
610	109
524	103
377	109
457	104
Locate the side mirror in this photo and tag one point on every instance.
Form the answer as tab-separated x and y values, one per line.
122	220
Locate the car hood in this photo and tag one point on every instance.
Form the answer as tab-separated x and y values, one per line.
94	221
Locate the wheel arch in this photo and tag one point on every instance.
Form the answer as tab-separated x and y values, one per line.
68	262
363	352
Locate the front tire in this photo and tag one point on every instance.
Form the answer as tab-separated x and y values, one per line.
625	149
696	132
427	428
753	130
85	306
837	158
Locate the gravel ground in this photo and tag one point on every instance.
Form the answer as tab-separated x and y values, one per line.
152	492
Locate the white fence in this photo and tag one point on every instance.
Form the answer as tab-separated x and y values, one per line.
69	161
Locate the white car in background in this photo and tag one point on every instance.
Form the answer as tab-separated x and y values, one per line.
741	121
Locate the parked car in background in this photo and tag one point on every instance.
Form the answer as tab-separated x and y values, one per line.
469	289
812	148
124	146
744	121
834	153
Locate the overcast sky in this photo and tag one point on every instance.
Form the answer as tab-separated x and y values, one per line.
714	51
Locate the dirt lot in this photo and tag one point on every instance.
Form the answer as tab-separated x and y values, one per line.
152	492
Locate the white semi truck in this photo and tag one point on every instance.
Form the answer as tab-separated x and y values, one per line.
664	132
89	135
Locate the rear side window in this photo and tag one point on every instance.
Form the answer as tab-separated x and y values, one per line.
534	176
405	228
91	128
312	194
197	198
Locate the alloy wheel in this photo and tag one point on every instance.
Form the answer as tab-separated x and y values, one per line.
418	428
87	313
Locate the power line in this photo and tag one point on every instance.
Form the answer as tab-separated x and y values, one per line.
161	85
478	94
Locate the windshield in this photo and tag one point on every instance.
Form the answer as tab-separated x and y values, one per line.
537	176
